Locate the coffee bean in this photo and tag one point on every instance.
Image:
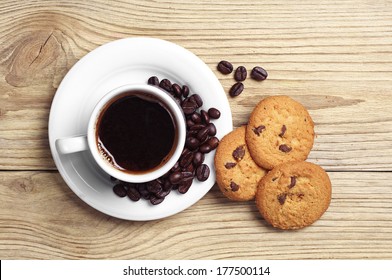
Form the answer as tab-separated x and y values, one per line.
154	186
205	117
225	67
142	188
153	81
186	176
184	187
202	134
175	168
162	193
189	168
156	200
197	127
196	99
240	74
188	107
202	172
214	113
189	123
186	159
205	148
236	89
293	181
175	177
192	143
258	73
185	91
198	159
166	85
284	148
133	193
213	142
196	118
176	89
282	131
120	190
211	129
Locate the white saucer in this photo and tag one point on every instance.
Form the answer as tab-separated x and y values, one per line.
131	60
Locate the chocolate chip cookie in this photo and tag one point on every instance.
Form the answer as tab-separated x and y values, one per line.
237	174
294	195
279	130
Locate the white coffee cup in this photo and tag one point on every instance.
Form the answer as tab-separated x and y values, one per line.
89	141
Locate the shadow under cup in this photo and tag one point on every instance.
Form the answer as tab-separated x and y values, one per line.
139	134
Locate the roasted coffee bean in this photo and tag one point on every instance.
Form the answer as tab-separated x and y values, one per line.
154	186
192	143
196	99
133	193
258	73
188	107
153	81
162	193
189	123
185	91
186	159
282	131
189	168
186	176
213	142
196	118
156	200
184	151
205	117
225	67
175	168
175	177
198	159
167	185
236	89
202	172
120	190
284	148
142	188
202	135
214	113
205	148
184	187
166	85
240	74
176	89
211	129
197	127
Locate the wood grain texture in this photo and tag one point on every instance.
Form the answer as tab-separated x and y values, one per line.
333	56
41	218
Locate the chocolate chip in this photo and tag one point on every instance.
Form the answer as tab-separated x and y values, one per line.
230	165
258	130
282	131
293	181
234	187
284	148
274	179
239	153
282	198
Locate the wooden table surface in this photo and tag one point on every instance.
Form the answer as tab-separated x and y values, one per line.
335	57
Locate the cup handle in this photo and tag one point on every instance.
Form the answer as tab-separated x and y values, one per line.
72	144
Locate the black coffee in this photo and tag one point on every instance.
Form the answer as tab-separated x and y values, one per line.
135	133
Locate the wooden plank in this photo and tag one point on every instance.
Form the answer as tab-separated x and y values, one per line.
334	57
40	218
